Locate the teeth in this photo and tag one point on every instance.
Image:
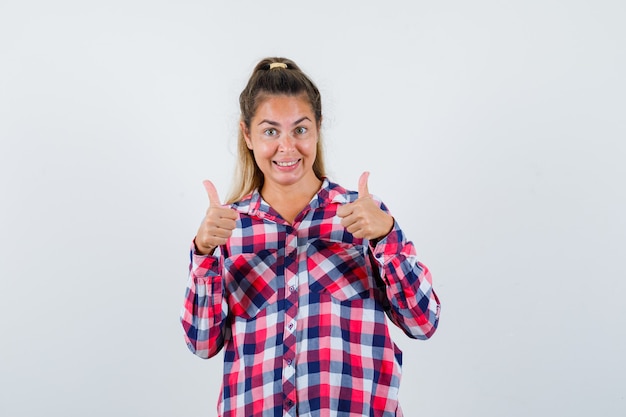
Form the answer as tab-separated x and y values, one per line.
286	164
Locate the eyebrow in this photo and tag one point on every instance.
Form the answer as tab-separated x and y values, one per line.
272	123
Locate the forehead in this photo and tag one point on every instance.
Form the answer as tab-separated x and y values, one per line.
283	106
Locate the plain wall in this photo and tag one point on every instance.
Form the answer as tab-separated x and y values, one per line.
495	131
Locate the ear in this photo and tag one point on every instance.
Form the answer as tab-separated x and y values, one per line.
246	134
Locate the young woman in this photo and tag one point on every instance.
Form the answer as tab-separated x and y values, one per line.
295	275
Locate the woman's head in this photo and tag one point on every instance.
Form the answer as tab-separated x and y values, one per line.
272	77
278	76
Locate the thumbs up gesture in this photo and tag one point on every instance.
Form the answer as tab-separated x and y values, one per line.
218	223
363	217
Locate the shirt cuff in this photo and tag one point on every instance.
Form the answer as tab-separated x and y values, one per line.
204	265
391	244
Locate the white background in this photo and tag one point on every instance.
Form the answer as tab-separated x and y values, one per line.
494	130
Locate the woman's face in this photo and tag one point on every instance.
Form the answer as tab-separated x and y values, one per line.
283	137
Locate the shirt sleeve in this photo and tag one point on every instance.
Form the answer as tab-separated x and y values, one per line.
414	305
204	312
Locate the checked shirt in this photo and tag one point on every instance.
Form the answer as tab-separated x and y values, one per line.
299	315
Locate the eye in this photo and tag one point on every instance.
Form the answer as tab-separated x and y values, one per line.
270	132
301	130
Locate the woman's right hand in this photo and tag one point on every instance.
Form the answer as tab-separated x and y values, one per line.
218	224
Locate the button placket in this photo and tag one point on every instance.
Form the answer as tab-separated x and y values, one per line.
290	323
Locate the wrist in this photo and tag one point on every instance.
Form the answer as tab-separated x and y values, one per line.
203	250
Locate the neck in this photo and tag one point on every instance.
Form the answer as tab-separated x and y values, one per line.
290	200
302	189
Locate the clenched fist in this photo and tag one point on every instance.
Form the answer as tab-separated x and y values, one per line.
363	217
218	224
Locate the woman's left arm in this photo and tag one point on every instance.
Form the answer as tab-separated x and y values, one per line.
414	304
408	284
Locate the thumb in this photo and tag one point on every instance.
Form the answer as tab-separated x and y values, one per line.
214	198
363	190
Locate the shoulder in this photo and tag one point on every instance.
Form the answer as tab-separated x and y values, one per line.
339	194
247	203
333	192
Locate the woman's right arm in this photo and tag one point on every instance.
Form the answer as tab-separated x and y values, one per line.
204	311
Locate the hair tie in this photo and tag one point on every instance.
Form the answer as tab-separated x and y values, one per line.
278	65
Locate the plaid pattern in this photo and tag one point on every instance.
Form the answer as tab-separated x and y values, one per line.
297	312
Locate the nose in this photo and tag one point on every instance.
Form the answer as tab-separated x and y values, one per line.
286	143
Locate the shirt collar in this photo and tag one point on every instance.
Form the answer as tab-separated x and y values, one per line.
329	193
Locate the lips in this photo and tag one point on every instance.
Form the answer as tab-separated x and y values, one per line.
286	164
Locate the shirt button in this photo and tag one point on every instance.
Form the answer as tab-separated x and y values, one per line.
290	326
289	403
288	361
292	288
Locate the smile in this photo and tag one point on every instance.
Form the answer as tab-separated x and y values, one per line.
286	163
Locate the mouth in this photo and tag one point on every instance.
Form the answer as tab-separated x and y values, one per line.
286	164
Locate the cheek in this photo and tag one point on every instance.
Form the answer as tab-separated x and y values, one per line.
263	150
308	148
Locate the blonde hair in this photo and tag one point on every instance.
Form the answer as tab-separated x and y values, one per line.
267	80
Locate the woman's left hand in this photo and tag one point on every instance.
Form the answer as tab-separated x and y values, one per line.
363	217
